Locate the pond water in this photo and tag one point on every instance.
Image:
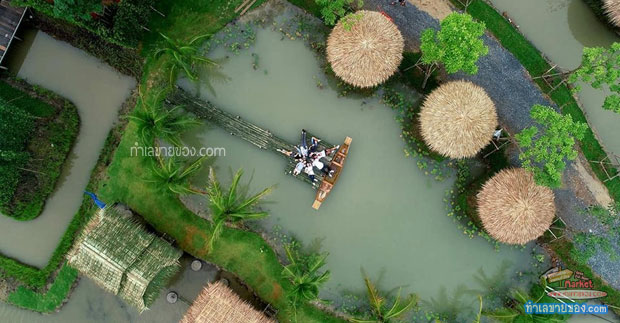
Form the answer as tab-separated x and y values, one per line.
560	29
384	215
98	91
89	303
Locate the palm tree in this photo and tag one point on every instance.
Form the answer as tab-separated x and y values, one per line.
447	307
515	311
230	207
303	273
381	312
153	121
173	176
185	57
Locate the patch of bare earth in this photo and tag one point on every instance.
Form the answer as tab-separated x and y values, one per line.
438	9
586	186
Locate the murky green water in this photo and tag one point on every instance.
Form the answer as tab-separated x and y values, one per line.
98	91
384	215
560	29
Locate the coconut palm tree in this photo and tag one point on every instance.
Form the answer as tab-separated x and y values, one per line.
515	311
447	307
185	57
303	273
230	206
153	121
381	312
173	176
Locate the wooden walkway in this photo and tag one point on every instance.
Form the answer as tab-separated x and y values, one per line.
236	126
10	18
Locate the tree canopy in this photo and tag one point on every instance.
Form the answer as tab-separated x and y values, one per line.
601	66
76	9
457	45
332	10
544	151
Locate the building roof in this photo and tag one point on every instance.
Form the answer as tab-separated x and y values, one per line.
218	303
123	258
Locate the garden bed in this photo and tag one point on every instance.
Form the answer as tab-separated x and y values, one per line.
56	127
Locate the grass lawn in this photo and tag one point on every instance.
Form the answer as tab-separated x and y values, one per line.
56	128
49	301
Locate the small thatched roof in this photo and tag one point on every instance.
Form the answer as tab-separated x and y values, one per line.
123	258
367	54
612	9
218	303
458	119
513	209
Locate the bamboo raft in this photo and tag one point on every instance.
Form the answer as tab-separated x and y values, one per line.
236	126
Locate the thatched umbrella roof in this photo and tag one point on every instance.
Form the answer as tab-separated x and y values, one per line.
513	209
367	54
612	9
458	119
218	303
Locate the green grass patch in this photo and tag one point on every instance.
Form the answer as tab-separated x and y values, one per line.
52	130
49	301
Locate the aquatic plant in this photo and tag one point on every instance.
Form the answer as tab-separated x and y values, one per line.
457	45
380	310
446	307
230	206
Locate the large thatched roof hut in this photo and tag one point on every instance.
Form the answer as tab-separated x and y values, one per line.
458	119
367	53
513	208
218	303
612	10
123	258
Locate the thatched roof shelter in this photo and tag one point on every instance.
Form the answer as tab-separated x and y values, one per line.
513	209
612	10
458	119
218	303
123	258
367	53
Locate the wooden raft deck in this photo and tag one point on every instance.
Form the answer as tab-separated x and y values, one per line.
245	130
10	18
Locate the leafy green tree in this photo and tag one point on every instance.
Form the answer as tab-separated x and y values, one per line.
601	66
154	121
185	57
332	10
173	176
543	152
230	206
303	272
76	9
457	45
381	311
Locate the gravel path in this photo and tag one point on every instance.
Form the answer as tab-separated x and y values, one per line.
514	93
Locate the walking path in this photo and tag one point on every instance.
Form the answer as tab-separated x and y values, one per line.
514	93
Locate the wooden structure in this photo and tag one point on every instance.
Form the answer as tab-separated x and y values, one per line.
120	256
218	303
336	164
10	19
610	166
236	126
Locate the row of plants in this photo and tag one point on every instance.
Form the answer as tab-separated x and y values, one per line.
125	26
39	128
